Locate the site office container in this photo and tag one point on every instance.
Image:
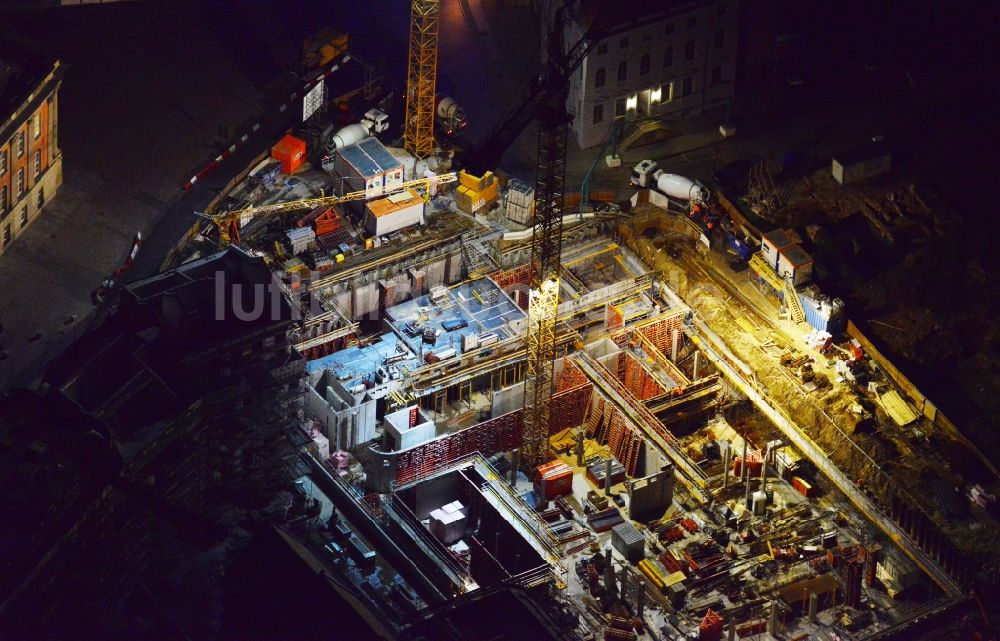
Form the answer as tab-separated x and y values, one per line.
290	152
795	263
399	211
773	242
368	166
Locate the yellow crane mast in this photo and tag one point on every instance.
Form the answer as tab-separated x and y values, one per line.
421	78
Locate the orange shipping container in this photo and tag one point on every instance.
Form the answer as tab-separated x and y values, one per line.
290	152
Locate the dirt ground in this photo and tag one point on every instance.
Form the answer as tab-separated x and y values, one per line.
875	452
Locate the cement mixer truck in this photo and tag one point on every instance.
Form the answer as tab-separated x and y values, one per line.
450	117
374	122
647	174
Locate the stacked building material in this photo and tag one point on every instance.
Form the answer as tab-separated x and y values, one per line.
597	468
299	238
629	541
711	627
448	522
520	202
604	520
553	479
474	194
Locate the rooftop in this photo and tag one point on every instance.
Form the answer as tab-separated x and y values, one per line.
22	67
601	16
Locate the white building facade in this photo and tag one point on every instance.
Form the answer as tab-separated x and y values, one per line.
657	60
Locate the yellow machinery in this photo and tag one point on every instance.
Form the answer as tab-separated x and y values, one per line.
229	223
421	78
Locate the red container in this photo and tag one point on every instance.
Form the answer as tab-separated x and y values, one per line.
290	152
802	486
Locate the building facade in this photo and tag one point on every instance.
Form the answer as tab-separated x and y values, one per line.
656	60
30	159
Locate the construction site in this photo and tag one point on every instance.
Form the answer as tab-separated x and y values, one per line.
621	419
643	414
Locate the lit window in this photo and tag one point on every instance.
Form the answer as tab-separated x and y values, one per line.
686	88
38	163
20	182
598	114
599	78
623	71
20	144
720	38
668	57
644	65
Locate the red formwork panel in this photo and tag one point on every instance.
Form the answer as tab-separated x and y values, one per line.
638	380
569	408
570	377
489	437
613	318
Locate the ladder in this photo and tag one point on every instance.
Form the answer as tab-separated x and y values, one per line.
795	311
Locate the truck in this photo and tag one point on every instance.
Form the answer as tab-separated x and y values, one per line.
450	116
374	122
648	174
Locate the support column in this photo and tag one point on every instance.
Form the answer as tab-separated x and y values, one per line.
674	340
694	375
813	606
607	478
513	467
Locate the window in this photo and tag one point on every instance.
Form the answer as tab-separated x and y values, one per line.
41	197
20	182
602	48
623	71
686	87
689	50
20	144
6	235
669	28
36	126
24	216
692	22
668	56
623	43
667	92
3	198
620	108
716	75
720	38
3	162
599	78
598	114
722	8
644	65
38	163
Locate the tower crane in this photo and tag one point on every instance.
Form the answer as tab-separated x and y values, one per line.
228	223
549	103
421	78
